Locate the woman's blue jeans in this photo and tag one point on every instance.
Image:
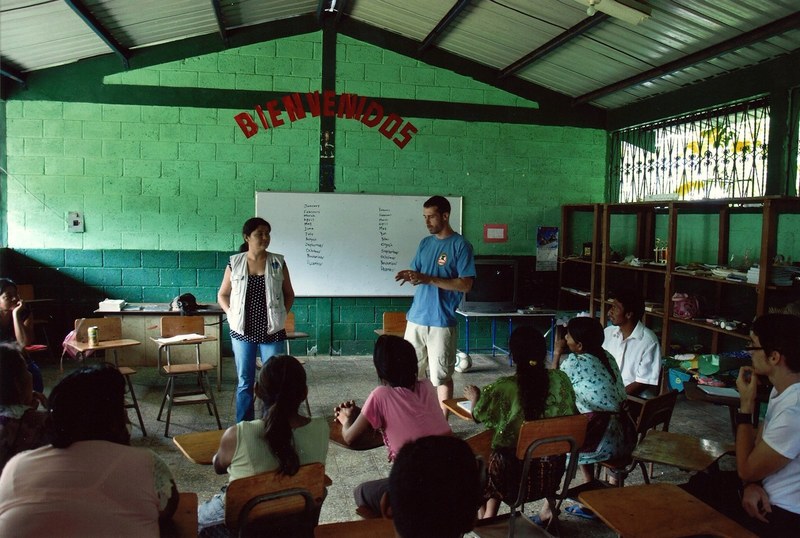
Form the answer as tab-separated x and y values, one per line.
245	355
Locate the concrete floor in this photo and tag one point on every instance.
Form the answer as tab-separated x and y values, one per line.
334	379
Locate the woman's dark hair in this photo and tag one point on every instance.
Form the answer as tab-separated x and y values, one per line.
250	226
395	361
12	370
89	405
282	387
6	283
528	350
589	333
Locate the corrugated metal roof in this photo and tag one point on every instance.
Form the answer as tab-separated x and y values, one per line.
494	33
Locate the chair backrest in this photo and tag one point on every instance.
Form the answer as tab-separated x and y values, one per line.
394	322
25	292
557	429
107	328
310	477
175	325
656	412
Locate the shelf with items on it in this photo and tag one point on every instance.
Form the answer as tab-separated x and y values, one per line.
575	291
645	245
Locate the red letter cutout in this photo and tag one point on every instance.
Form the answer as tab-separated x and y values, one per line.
406	132
246	124
375	107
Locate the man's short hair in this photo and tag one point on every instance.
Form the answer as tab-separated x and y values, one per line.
439	202
631	300
434	488
781	333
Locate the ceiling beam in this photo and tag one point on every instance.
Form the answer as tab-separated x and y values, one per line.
223	33
96	26
451	15
10	72
748	38
558	41
747	83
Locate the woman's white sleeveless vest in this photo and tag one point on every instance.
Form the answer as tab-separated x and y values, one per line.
273	283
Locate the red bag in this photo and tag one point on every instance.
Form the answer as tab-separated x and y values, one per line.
685	306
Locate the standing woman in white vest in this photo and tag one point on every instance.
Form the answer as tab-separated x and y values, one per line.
256	294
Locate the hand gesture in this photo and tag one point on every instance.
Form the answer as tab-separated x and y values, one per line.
408	275
345	412
18	308
755	502
747	384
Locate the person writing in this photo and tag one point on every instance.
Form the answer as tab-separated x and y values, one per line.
89	482
533	393
763	494
256	293
403	408
283	440
442	270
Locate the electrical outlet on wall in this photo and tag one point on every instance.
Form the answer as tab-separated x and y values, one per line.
75	222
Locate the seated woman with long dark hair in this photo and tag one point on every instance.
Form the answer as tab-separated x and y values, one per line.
599	389
89	482
534	392
283	440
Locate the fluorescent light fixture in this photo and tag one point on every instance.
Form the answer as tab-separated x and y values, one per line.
627	10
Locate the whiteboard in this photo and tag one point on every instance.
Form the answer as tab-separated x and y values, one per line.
347	245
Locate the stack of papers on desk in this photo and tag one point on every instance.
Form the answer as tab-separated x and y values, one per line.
111	305
719	391
180	338
466	405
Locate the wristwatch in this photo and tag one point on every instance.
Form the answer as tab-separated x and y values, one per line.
745	418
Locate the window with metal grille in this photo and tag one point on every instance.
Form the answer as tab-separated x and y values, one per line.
720	153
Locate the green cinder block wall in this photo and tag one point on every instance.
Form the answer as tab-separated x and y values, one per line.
165	189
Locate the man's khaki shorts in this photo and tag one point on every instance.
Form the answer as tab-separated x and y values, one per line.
436	348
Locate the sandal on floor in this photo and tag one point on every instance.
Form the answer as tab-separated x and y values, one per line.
539	522
580	511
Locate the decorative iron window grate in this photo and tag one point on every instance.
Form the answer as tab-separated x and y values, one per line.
720	153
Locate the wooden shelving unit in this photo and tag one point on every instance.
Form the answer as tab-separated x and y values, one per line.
596	276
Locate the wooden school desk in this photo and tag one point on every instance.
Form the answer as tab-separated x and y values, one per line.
141	321
658	511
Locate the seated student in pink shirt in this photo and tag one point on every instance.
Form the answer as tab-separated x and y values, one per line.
402	407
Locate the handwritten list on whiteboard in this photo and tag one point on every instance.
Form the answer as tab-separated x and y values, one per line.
341	245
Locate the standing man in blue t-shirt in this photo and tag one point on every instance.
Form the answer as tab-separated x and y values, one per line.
442	270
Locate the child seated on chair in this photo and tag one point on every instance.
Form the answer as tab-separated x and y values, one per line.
16	325
403	408
282	440
533	393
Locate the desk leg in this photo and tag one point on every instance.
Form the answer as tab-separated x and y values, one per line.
466	330
494	335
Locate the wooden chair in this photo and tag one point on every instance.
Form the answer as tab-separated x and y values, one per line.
291	332
537	439
394	323
360	528
257	502
109	329
664	447
39	319
202	393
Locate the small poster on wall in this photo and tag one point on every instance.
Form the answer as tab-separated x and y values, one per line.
546	248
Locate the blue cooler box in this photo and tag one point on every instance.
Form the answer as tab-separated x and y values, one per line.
677	378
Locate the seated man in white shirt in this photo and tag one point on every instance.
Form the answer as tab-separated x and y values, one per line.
634	346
